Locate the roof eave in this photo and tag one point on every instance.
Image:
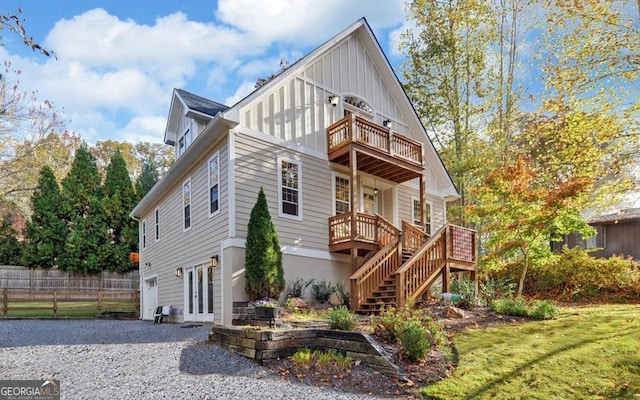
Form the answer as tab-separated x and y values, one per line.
211	133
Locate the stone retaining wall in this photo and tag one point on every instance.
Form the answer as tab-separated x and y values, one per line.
268	345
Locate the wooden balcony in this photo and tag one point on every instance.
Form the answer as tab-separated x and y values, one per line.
371	232
380	151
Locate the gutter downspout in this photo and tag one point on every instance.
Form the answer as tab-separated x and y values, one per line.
139	275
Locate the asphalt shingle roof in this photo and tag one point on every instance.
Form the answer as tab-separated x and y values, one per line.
201	104
621	216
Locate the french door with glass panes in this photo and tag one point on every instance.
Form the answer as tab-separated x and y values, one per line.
198	294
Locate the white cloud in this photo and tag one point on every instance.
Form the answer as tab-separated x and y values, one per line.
305	22
143	129
243	90
114	76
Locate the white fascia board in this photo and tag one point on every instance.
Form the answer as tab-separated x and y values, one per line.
217	127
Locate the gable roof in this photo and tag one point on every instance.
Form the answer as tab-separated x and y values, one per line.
363	30
200	104
187	104
629	215
219	117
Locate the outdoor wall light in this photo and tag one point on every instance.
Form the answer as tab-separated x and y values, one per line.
214	261
148	264
179	272
387	123
333	99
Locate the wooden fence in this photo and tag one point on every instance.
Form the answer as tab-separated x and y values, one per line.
24	290
53	279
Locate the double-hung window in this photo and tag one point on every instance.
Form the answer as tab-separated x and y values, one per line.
157	224
342	194
214	185
186	201
415	214
289	188
143	234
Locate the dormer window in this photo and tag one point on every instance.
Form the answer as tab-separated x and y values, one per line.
184	142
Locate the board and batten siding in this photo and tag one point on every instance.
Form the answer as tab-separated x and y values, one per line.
177	248
298	110
256	166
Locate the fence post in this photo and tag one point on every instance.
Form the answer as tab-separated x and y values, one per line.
55	303
136	298
5	302
99	300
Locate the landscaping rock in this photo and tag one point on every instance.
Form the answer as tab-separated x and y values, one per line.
297	302
335	299
454	313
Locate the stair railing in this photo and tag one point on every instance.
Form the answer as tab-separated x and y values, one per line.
419	272
412	237
374	271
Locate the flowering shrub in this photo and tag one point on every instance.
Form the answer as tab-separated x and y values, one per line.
267	303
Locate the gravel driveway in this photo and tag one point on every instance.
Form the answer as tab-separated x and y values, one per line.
98	359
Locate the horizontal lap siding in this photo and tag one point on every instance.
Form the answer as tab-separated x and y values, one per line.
256	167
194	247
405	203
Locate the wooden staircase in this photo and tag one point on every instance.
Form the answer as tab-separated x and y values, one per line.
404	269
385	294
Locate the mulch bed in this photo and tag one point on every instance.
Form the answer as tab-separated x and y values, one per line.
363	379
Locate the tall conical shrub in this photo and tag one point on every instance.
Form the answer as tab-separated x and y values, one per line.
118	200
263	257
87	231
47	230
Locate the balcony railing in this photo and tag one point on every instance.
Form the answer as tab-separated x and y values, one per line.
353	129
369	228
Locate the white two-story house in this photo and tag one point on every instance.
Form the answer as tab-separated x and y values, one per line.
355	188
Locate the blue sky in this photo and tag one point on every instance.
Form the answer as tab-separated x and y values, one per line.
118	62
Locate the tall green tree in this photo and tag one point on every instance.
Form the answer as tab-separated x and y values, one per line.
263	256
446	74
118	200
11	249
84	249
47	230
148	177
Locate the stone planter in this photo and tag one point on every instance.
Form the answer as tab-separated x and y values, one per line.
267	312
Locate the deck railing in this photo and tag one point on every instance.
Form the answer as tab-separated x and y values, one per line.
412	237
373	272
449	244
353	129
370	228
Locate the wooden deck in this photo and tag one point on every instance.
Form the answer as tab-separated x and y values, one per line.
380	151
402	264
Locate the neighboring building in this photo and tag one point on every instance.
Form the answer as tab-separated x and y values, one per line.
616	234
346	167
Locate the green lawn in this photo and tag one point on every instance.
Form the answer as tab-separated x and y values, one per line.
67	309
586	353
